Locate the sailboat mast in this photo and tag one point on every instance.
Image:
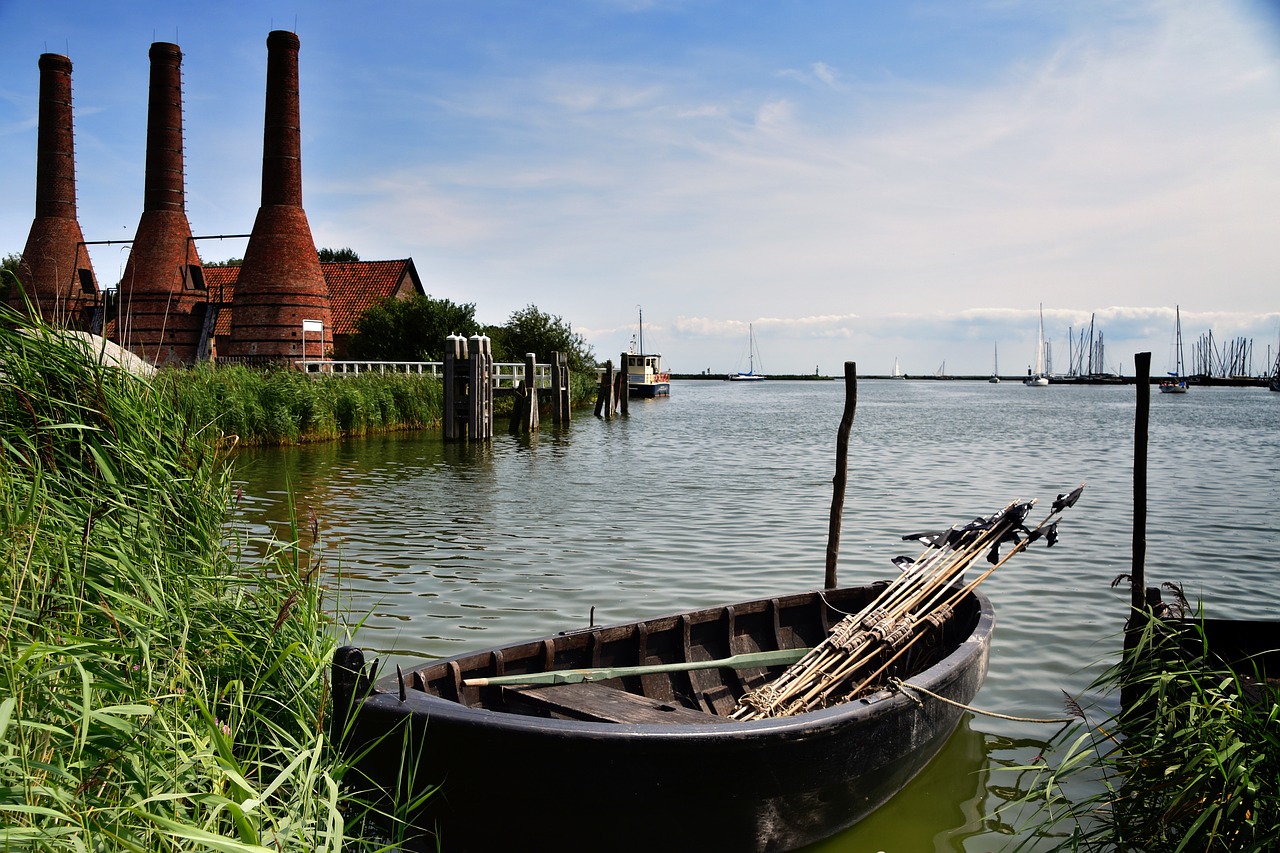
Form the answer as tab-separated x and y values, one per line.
1040	344
1177	314
641	310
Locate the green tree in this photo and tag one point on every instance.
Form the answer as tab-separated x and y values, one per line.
533	330
412	329
338	256
9	275
229	262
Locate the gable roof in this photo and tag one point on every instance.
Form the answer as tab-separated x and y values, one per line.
357	286
353	288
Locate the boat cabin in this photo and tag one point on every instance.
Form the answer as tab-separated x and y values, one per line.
645	377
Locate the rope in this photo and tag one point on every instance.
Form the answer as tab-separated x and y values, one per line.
906	688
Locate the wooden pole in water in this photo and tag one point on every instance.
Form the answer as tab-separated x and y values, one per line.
604	398
842	464
624	385
1142	366
1138	572
530	423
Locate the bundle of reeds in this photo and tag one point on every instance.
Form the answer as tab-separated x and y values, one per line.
916	605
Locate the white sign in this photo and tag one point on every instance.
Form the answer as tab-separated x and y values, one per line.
312	326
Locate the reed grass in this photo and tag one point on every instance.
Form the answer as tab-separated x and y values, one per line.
1191	764
281	406
286	406
155	694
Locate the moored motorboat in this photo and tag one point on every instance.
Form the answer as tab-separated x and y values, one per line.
645	376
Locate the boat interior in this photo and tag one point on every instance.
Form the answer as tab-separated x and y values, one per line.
698	696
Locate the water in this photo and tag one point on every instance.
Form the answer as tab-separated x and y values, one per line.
723	492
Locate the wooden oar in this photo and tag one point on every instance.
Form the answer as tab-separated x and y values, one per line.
575	676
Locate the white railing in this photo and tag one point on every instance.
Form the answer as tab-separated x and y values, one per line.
509	374
351	368
505	374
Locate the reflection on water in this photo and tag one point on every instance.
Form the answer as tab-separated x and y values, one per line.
722	493
953	786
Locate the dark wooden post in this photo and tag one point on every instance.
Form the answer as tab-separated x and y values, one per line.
457	381
449	392
531	385
624	385
484	352
565	398
1138	571
842	465
555	389
604	398
475	390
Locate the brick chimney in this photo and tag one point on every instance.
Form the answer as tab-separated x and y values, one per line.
163	283
55	270
281	283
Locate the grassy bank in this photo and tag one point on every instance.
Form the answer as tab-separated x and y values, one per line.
154	694
285	406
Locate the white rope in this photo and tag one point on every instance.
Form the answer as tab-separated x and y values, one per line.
906	688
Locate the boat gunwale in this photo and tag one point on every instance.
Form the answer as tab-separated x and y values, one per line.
386	699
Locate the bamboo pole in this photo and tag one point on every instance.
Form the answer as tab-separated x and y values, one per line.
914	605
776	657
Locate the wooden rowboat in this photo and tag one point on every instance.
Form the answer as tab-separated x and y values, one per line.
648	758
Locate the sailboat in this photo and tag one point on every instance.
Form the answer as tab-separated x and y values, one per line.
897	371
995	364
1177	381
1274	383
645	377
1038	379
750	375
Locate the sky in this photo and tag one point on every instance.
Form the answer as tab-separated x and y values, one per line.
867	181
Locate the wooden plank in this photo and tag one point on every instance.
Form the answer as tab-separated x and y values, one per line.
592	702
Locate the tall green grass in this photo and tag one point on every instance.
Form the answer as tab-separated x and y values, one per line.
286	406
155	695
1191	764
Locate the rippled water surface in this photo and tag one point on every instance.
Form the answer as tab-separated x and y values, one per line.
723	492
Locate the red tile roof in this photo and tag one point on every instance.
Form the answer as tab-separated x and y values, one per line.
353	287
357	286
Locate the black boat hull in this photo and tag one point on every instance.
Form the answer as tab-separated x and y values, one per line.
507	780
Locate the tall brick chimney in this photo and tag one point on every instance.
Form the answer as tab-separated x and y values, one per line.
281	283
163	283
55	270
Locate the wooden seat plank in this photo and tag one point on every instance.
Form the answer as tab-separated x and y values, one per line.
593	702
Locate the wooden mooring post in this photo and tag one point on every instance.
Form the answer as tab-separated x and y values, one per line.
605	399
468	387
842	471
524	414
561	398
1139	607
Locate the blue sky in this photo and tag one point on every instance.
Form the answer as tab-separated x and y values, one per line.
859	180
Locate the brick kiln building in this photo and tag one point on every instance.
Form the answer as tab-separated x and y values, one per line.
169	309
353	288
55	269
